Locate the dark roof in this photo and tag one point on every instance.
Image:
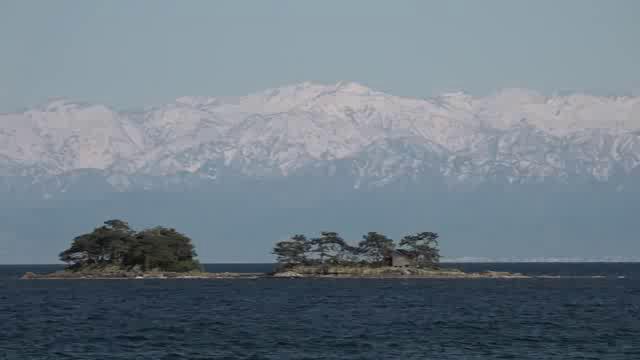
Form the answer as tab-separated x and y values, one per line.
401	252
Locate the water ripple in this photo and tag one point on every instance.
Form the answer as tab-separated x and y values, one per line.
567	318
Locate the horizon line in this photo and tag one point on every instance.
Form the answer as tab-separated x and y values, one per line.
561	93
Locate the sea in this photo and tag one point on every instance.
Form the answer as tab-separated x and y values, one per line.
567	311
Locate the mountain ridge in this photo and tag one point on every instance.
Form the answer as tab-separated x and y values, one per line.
513	136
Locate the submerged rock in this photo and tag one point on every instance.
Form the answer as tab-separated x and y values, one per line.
29	275
288	274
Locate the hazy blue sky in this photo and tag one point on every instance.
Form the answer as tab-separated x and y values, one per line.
134	53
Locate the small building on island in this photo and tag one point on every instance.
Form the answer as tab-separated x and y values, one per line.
401	258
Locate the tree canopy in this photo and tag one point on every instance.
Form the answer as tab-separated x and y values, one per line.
293	251
423	247
329	247
116	244
374	249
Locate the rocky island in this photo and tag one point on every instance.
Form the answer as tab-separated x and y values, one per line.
375	256
115	251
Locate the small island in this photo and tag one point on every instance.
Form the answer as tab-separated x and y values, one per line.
375	256
116	251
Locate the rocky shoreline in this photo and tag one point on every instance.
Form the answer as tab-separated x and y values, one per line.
332	272
481	275
390	273
125	275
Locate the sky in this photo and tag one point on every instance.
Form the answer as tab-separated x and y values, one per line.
130	54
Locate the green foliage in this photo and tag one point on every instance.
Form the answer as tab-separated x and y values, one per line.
115	243
293	251
423	247
376	248
105	244
330	248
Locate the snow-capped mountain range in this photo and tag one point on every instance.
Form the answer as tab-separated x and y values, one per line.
373	138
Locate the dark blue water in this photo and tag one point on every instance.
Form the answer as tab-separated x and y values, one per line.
574	317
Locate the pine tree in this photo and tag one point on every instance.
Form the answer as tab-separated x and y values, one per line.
376	247
423	247
116	244
329	247
292	251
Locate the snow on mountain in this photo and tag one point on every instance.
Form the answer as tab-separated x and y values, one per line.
62	136
513	136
